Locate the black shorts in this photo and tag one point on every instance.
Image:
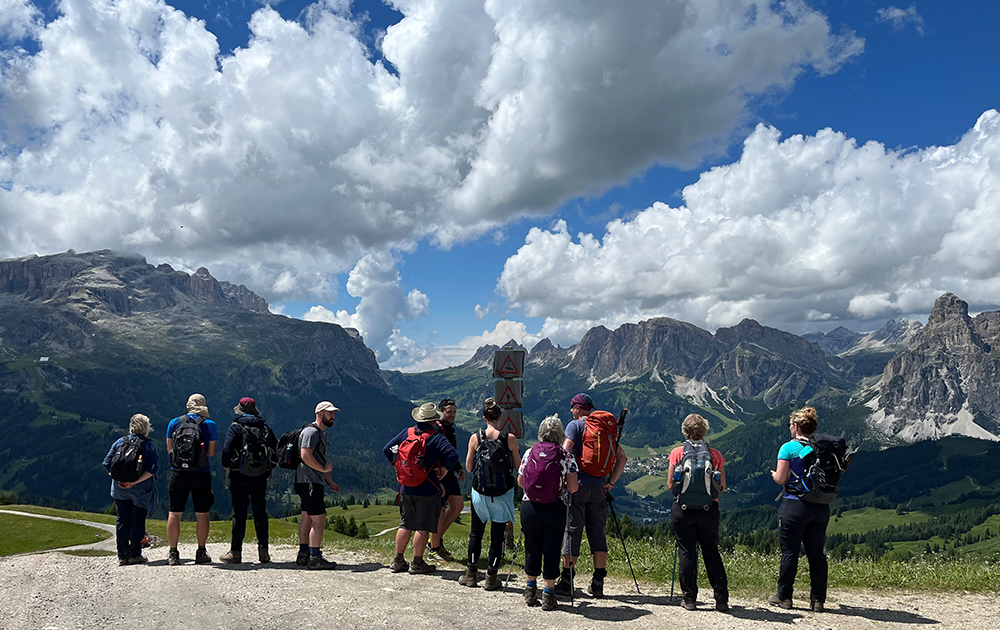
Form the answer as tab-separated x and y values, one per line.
419	513
197	484
312	498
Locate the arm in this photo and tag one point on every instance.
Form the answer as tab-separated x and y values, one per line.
620	461
229	446
520	480
310	460
329	480
568	445
470	457
670	478
170	446
571	483
107	458
722	480
211	448
780	476
514	450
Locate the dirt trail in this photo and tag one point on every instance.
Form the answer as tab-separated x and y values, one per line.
58	591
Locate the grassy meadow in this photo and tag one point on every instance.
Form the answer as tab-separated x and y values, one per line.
23	534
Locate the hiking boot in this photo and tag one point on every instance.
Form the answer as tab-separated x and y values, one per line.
531	596
419	567
319	563
444	554
722	605
564	586
774	600
303	558
596	588
689	604
122	561
202	557
470	578
140	559
262	554
145	542
549	601
233	557
492	582
399	566
816	606
173	557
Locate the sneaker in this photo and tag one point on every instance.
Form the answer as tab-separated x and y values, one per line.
492	582
531	596
173	557
399	566
689	604
432	556
122	561
419	567
262	554
145	542
774	600
816	606
233	557
202	557
140	559
596	588
470	578
303	558
549	601
722	605
319	563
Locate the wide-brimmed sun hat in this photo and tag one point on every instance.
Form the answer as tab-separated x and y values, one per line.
425	413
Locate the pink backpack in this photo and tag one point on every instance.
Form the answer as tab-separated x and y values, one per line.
543	473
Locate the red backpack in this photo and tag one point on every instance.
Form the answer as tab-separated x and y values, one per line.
600	441
411	469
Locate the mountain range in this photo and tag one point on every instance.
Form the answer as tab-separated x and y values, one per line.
88	339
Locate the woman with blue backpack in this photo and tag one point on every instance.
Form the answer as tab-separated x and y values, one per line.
492	459
548	476
800	522
132	463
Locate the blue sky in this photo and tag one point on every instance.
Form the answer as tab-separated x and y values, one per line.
441	174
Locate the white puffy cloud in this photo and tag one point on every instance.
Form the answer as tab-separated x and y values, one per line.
128	129
900	18
19	19
797	230
384	302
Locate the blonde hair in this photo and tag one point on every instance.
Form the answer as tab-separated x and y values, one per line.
805	420
551	430
139	425
694	427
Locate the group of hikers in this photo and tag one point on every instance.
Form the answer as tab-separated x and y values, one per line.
566	478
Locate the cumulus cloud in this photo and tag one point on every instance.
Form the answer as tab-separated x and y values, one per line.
128	128
442	356
800	229
900	18
384	302
19	19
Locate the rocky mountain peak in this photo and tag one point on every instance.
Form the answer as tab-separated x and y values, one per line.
949	307
542	346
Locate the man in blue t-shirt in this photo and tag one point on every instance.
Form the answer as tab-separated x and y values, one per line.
191	440
589	508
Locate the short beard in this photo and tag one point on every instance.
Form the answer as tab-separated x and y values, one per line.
327	423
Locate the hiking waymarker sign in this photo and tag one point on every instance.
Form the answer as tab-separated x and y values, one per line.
508	389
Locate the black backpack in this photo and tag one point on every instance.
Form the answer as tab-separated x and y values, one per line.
695	478
126	461
256	458
288	454
823	469
189	450
493	474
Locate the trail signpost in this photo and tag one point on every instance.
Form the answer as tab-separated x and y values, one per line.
508	389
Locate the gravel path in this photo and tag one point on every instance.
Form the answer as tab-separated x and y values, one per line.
58	591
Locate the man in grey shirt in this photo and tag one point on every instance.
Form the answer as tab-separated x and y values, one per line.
310	478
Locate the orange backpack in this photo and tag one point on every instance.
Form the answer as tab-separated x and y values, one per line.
600	441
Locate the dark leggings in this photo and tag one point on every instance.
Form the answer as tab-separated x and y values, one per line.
802	523
695	526
130	528
543	526
248	491
476	544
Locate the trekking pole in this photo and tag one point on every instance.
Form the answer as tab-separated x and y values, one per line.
572	567
673	575
513	558
614	515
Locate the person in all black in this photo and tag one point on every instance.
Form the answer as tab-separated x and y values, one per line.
800	523
452	503
248	485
